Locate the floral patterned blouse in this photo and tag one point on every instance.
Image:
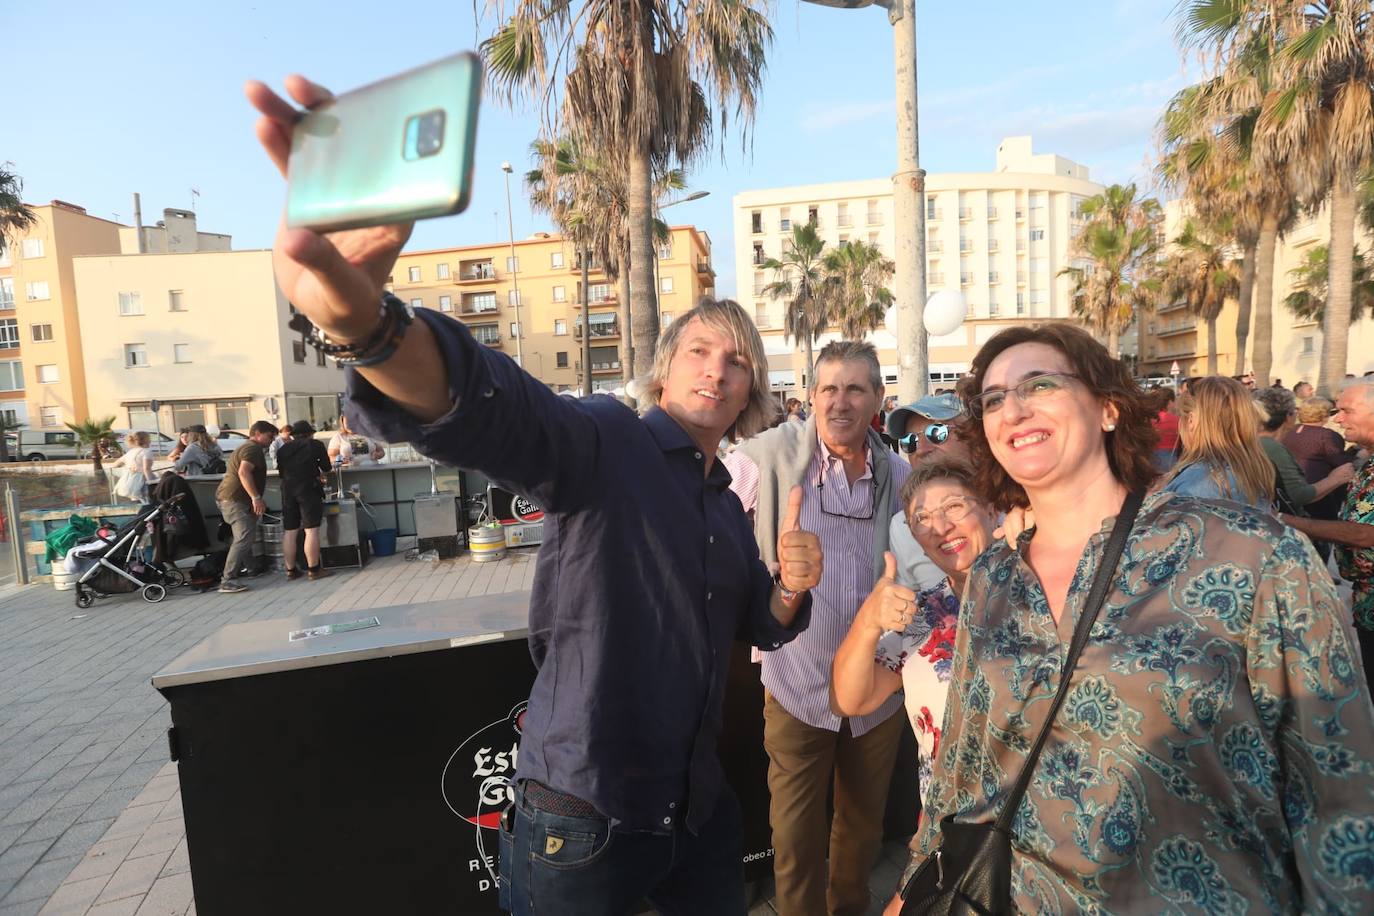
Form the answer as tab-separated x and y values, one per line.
922	654
1357	564
1215	753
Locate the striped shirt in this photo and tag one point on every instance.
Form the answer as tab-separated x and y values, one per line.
842	516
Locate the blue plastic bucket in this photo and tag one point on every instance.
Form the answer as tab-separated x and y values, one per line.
383	542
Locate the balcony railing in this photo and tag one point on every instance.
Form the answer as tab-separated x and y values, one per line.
875	219
1020	214
7	301
937	279
1176	327
1020	244
762	321
935	245
994	310
784	225
966	279
934	213
1021	277
759	257
491	340
992	213
599	331
965	213
704	267
993	245
612	366
965	246
846	221
994	277
476	273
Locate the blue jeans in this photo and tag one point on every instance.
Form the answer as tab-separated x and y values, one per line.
579	866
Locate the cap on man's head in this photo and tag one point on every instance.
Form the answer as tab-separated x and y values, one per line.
937	407
302	429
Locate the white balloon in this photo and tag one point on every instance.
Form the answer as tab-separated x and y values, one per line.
944	312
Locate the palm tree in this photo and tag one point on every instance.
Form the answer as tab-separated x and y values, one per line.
1226	163
16	217
799	277
1198	271
651	79
1115	249
585	194
856	278
91	433
1316	116
1311	286
1322	115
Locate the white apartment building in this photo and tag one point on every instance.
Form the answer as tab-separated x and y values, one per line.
1000	238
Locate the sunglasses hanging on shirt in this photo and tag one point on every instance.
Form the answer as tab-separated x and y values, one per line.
934	433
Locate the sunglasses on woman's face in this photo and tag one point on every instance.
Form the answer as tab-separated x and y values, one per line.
934	433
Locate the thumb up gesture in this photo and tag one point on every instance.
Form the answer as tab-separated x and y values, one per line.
799	552
889	606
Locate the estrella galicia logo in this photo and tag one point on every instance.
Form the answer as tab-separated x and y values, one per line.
525	510
476	778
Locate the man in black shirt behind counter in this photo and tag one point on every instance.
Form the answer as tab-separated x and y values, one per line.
301	461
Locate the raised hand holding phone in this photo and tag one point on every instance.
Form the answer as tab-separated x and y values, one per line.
335	279
800	561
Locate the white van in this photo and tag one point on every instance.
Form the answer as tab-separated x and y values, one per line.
42	444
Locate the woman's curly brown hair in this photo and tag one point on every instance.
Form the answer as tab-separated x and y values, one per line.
1130	448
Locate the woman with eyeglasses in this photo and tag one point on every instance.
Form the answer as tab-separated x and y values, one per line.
1213	752
921	429
1222	457
903	639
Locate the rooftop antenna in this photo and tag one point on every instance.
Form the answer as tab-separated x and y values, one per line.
194	195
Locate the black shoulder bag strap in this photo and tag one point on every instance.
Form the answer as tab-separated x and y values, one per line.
1106	572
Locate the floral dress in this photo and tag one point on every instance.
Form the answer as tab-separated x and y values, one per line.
922	655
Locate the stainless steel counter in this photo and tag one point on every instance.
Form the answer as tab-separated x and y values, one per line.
266	646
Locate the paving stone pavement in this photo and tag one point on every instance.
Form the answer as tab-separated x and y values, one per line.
90	810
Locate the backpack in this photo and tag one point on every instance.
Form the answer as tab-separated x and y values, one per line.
215	466
205	574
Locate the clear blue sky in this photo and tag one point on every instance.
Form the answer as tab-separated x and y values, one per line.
108	99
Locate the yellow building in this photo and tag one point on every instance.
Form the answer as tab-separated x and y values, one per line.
1000	238
42	377
484	287
202	332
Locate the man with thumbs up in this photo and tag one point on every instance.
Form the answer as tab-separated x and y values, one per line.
831	476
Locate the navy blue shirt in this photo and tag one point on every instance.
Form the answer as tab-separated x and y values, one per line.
647	574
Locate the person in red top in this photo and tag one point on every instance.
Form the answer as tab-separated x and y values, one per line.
1166	426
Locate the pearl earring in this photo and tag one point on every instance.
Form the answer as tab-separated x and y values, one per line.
1110	427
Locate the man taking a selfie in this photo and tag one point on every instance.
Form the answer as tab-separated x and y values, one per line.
647	574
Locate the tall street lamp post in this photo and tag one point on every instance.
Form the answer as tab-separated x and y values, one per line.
908	197
514	271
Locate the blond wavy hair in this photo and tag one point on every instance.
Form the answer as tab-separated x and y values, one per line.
1223	432
728	318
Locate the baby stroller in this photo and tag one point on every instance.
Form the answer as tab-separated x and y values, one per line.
119	566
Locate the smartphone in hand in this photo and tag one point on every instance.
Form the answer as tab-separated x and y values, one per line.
396	150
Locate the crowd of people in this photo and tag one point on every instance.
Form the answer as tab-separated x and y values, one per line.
1213	749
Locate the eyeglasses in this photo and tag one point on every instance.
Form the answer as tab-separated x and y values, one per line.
934	433
1036	388
951	510
842	512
